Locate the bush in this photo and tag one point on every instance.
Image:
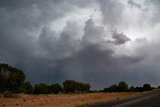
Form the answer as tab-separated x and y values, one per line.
55	88
41	89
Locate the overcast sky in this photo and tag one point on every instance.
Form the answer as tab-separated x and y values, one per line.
97	41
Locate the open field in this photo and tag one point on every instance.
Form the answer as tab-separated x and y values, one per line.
62	100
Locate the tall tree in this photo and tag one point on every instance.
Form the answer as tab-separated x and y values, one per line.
26	88
123	86
11	78
147	87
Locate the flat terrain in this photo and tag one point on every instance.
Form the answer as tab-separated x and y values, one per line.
62	100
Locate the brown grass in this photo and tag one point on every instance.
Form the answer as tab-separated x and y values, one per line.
61	100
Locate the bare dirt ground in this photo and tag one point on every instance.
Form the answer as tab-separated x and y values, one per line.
62	100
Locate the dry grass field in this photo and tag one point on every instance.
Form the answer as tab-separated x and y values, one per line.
61	100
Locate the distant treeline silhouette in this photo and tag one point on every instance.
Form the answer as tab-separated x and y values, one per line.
123	87
13	80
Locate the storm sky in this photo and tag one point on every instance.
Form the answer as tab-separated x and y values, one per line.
100	42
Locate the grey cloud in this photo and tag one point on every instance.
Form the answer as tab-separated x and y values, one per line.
83	3
62	45
96	65
119	38
156	6
23	3
132	3
93	33
111	11
20	25
93	63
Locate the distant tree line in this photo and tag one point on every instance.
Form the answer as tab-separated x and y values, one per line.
123	87
73	86
13	80
69	86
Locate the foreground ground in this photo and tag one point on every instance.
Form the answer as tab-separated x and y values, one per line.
62	100
147	99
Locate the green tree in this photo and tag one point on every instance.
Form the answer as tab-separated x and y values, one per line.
11	78
83	87
55	88
73	86
26	88
147	87
112	88
86	87
132	89
123	86
139	89
69	86
41	89
105	90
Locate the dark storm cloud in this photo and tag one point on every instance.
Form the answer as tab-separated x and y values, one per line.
20	25
81	49
62	45
95	65
95	61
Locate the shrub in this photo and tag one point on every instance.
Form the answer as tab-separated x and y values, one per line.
55	88
41	89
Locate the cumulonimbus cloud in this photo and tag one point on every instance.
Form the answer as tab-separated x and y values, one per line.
78	46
